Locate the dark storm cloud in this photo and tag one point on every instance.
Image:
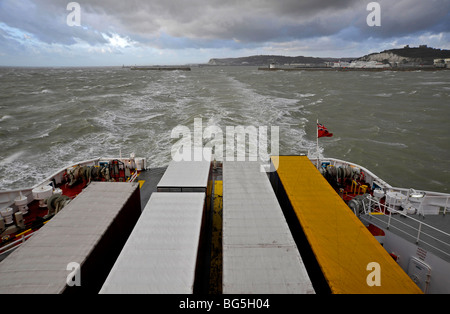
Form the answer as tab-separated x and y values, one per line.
244	21
409	17
212	23
268	20
45	20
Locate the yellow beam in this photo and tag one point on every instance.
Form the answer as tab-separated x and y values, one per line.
215	286
342	245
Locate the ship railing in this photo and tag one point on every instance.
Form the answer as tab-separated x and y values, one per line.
7	197
8	248
416	229
370	178
429	198
133	177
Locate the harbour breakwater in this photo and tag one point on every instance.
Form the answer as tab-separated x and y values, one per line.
163	68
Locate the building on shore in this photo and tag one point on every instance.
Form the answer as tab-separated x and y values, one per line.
359	64
442	63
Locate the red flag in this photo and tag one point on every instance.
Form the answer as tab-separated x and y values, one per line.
322	131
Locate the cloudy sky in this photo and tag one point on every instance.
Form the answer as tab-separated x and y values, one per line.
150	32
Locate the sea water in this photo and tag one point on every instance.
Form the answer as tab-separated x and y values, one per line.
393	123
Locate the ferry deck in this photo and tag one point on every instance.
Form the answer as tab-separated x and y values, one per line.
290	233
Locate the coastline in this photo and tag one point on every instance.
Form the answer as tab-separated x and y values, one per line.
404	69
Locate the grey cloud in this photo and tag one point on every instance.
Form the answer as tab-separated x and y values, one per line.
408	17
267	20
46	20
201	23
242	20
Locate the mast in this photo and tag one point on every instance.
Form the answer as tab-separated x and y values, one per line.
317	145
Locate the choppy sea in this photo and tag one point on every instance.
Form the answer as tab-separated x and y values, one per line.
396	124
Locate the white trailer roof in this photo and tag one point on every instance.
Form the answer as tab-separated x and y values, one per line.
160	255
40	264
259	252
186	175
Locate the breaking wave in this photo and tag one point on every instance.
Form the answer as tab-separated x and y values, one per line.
63	116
